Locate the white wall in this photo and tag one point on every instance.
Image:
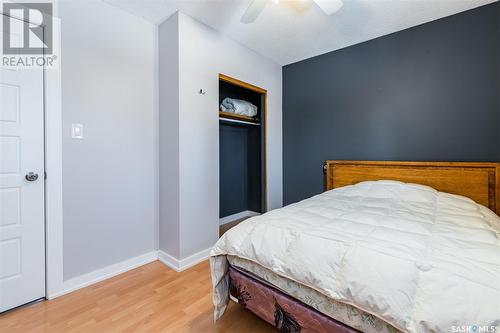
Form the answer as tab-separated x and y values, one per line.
111	177
169	198
108	84
203	54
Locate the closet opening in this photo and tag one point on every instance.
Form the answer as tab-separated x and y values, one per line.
242	151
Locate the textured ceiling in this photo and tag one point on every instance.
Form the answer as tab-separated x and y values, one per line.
290	31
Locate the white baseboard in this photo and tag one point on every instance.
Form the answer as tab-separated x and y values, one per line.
104	273
126	265
237	216
182	264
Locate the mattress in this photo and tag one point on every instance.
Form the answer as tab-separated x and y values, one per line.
344	313
413	257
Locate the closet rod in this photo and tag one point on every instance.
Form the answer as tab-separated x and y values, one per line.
238	121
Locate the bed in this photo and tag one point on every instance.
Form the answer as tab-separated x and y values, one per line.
389	247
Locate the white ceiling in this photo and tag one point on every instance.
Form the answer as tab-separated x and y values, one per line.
291	31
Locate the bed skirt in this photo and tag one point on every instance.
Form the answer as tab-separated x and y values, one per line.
279	309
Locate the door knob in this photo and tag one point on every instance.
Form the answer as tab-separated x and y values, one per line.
31	176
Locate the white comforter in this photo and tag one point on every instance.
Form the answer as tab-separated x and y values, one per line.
419	259
238	106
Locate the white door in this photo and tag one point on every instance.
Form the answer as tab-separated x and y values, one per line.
22	230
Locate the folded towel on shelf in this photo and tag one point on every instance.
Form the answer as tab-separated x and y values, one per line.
238	106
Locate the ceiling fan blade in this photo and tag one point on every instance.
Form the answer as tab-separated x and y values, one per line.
253	11
329	6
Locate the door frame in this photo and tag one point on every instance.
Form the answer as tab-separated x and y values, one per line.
54	273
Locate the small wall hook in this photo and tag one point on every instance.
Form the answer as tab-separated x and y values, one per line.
202	92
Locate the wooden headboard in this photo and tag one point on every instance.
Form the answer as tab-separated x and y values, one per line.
478	181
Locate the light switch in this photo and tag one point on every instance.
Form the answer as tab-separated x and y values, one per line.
77	131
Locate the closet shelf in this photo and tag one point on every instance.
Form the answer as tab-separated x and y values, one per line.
233	116
234	121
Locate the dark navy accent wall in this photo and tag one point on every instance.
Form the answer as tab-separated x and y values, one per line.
426	93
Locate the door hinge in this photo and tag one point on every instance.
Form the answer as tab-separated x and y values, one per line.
44	175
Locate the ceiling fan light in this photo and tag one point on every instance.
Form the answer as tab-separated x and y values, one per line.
329	6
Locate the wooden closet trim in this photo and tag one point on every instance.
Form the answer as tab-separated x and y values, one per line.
242	84
263	121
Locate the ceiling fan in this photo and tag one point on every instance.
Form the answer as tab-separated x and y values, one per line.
257	6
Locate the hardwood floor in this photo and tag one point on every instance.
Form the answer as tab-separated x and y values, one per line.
225	227
151	298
